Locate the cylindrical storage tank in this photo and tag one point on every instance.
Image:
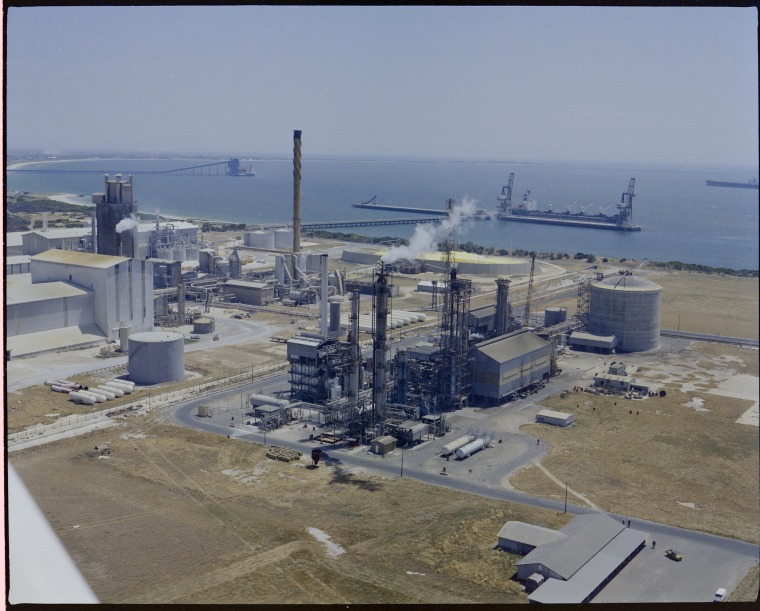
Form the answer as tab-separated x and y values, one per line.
453	446
155	357
283	238
554	316
94	394
191	253
103	391
259	239
79	397
56	388
204	324
115	390
470	448
222	268
257	400
123	337
178	254
127	388
627	307
335	305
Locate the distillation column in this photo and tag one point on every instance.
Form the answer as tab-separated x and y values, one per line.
356	357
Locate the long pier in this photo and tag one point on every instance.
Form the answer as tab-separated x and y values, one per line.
230	167
369	206
357	223
568	222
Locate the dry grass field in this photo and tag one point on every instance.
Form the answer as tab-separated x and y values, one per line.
178	516
666	461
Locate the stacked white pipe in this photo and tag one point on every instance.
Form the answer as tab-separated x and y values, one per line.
80	397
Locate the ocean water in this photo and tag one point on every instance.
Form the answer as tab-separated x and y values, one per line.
681	218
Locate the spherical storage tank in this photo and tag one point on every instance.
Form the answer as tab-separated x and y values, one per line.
627	307
156	357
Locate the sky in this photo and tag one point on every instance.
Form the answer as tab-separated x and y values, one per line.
636	84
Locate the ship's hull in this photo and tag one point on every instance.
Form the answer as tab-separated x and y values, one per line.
545	218
735	185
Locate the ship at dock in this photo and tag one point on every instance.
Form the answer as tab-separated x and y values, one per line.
526	211
750	184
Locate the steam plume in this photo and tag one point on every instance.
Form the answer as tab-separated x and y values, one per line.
126	223
426	235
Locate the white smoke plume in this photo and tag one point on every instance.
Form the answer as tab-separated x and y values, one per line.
126	224
427	235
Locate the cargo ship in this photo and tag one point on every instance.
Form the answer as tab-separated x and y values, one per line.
750	184
527	212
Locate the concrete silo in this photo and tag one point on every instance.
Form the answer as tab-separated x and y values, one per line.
627	307
156	357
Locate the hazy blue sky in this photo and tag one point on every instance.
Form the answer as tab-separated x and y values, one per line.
617	84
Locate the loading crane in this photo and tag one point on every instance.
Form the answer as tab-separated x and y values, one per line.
505	199
526	315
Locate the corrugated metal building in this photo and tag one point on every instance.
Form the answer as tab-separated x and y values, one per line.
73	238
581	340
507	363
48	306
548	416
250	293
122	287
482	320
577	567
521	538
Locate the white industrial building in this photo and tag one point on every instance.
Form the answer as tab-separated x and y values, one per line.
68	238
73	298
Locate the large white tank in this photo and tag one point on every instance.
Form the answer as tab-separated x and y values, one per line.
453	446
627	307
470	448
259	239
283	238
155	357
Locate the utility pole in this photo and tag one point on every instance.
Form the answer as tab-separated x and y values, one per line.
565	498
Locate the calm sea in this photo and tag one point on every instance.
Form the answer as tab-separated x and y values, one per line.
681	218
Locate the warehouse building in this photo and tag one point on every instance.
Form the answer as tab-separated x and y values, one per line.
601	344
250	293
73	298
548	416
69	238
577	567
521	538
505	364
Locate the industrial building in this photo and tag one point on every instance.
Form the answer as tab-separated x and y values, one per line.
69	238
574	567
72	299
548	416
508	363
250	293
116	218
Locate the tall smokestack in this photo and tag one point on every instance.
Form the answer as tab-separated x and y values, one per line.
502	307
296	190
296	205
323	294
380	348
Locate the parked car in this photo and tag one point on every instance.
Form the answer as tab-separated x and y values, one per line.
673	555
720	595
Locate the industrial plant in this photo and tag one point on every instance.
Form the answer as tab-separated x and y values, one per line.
133	283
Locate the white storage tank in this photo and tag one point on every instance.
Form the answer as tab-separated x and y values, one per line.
156	357
627	307
259	239
283	238
204	324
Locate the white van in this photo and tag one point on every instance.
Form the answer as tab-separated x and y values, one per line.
720	595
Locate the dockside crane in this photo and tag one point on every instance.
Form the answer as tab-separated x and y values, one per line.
526	314
505	199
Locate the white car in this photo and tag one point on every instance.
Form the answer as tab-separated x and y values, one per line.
720	595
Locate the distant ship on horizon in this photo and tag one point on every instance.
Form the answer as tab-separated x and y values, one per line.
750	184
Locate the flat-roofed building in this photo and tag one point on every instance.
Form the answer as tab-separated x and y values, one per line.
548	416
250	293
581	340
